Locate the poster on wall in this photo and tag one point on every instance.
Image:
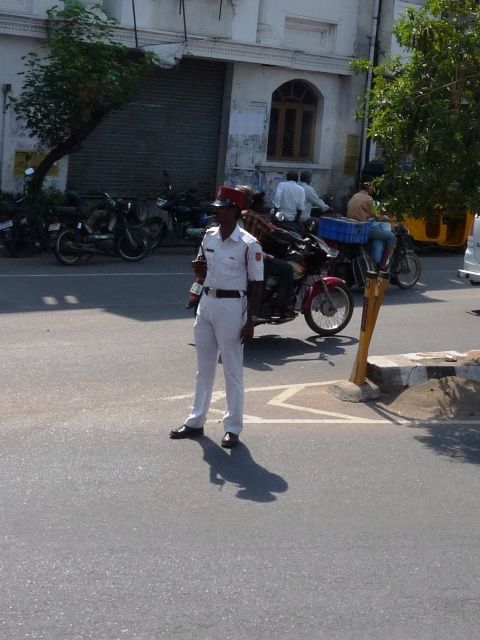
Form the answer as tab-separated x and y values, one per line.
29	158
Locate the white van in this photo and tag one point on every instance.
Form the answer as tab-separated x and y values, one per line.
471	265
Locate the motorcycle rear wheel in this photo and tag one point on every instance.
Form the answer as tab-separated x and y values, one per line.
328	317
136	252
405	271
156	230
64	251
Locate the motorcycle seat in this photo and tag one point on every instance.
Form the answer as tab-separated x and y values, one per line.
68	212
296	235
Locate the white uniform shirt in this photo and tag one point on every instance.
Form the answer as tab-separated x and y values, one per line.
289	197
232	262
311	199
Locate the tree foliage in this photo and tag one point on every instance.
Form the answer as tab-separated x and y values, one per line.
86	75
425	112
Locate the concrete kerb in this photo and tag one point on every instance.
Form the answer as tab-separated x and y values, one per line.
395	372
387	374
350	392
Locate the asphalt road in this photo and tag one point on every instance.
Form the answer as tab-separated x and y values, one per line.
311	529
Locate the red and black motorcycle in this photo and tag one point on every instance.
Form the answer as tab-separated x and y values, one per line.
325	301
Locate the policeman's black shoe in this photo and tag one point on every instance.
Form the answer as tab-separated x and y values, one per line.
284	313
288	314
185	432
230	440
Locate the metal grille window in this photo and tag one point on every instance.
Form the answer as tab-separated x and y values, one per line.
292	122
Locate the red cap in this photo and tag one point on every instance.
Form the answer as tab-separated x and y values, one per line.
226	197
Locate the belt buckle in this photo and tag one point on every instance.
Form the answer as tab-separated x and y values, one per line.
212	291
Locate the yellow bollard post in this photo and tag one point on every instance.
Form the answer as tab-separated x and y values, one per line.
383	279
365	333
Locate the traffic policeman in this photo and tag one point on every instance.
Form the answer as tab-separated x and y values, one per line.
231	261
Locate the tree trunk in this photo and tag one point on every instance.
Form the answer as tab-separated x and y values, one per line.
63	149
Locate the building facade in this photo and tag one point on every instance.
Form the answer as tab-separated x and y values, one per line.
245	90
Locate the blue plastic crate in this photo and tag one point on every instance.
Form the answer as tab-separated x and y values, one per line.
344	230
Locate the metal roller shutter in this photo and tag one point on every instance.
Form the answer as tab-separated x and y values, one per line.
173	124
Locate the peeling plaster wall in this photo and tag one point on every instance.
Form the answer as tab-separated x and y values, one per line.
251	93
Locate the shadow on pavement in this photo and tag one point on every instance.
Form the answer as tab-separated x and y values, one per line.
461	443
156	289
267	352
237	467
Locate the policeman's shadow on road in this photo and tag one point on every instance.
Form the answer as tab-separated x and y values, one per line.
237	467
269	351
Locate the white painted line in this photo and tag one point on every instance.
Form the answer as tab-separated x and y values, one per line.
71	299
49	300
360	421
92	275
218	395
357	421
279	401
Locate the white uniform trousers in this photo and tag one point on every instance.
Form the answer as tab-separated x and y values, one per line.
217	328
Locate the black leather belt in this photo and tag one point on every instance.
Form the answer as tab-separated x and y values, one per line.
223	293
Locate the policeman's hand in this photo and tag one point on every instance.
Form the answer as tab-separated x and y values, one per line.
247	332
199	266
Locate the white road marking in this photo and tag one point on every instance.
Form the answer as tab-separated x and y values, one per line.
91	275
331	418
279	401
218	395
71	299
287	391
49	300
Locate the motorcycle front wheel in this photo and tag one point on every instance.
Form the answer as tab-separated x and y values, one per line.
405	270
64	250
327	315
133	248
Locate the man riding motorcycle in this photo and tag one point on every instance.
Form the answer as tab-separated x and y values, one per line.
274	242
381	238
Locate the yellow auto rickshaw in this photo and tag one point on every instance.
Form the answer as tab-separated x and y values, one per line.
440	229
436	229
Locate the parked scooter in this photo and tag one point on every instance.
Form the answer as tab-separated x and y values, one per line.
187	215
9	227
107	230
23	230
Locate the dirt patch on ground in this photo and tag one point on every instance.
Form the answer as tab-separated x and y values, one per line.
448	397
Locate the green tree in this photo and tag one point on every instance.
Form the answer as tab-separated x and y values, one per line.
425	112
85	76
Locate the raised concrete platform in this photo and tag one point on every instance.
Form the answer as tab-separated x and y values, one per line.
408	369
